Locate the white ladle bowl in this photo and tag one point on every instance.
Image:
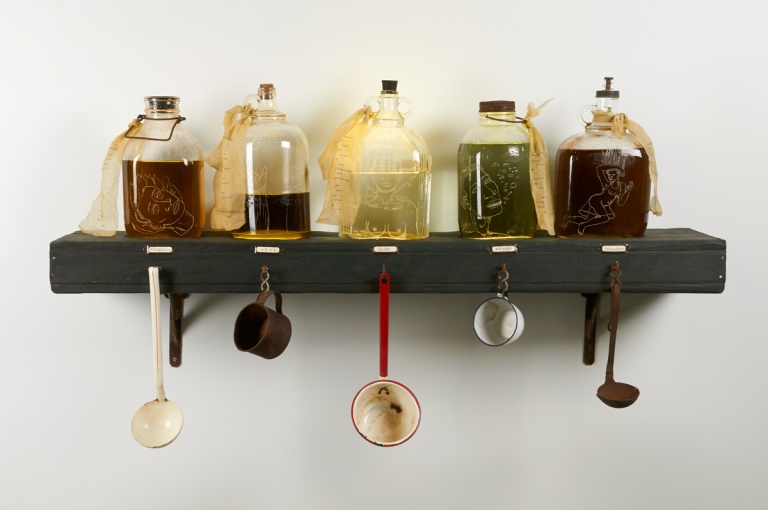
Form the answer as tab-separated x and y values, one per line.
386	413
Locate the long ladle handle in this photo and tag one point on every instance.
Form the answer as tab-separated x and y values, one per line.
383	324
613	323
157	357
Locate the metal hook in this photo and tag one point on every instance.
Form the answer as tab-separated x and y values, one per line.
264	278
503	275
616	274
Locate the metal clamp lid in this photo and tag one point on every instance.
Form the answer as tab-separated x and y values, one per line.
170	135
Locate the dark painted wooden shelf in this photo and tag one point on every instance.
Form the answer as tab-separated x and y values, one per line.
670	260
664	260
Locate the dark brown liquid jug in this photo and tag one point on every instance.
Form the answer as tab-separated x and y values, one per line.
602	182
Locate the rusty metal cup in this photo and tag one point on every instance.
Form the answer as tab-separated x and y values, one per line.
261	330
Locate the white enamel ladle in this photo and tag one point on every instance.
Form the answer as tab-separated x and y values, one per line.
158	422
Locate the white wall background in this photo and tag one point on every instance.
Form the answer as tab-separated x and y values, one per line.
518	427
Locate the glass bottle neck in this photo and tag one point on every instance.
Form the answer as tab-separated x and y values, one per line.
161	107
268	109
164	113
388	110
606	106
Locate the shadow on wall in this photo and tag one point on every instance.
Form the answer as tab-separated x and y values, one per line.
556	317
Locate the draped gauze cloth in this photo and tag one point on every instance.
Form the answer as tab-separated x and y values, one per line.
541	179
229	181
102	218
337	162
620	125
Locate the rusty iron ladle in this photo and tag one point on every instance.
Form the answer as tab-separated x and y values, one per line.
612	393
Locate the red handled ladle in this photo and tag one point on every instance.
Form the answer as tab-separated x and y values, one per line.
612	393
385	412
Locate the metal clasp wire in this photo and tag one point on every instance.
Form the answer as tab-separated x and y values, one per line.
144	117
519	120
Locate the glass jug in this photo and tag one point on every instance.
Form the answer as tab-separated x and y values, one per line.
163	177
390	176
276	173
602	183
495	199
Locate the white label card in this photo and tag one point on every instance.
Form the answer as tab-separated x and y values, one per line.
511	248
158	249
385	249
267	249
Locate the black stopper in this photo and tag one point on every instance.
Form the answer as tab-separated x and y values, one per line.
389	85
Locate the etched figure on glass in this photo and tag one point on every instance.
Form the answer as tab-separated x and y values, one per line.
599	207
385	197
158	206
481	201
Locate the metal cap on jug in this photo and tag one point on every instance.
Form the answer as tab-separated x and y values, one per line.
161	102
607	92
497	106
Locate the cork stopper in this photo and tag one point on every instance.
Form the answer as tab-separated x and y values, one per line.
266	91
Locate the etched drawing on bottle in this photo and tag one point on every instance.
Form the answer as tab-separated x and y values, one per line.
494	190
160	198
609	192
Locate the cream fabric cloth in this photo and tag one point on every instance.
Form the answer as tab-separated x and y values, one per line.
620	125
102	218
228	159
337	162
541	179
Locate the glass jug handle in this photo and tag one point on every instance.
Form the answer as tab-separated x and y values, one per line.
373	102
408	104
401	102
583	112
253	100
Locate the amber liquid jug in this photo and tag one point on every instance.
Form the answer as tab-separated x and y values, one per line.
602	183
163	177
